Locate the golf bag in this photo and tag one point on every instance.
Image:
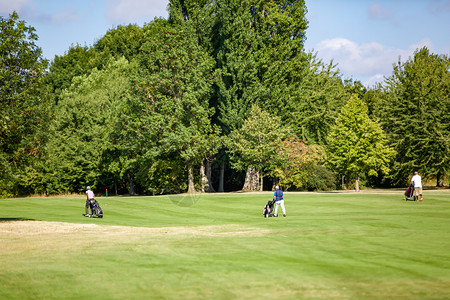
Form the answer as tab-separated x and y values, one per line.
95	209
409	193
268	209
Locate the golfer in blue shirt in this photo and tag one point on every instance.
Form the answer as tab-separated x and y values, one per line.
279	201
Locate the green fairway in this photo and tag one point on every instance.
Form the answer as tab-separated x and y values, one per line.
368	245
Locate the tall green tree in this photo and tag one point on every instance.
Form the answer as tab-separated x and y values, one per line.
201	16
176	84
79	136
24	107
254	41
315	95
256	145
415	112
257	39
356	144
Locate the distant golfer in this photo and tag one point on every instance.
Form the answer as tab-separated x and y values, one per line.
279	201
416	180
89	196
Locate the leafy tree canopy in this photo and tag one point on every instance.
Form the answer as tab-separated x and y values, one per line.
257	144
172	99
121	41
23	105
356	144
77	61
256	42
302	167
415	111
84	120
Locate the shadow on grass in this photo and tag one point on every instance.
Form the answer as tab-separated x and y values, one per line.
15	219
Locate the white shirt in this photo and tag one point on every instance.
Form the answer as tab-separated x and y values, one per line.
90	194
417	180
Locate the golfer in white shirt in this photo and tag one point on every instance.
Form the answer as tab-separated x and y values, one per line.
416	180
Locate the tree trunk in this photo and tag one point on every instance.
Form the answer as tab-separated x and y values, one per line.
357	182
251	180
221	177
342	184
261	184
203	178
130	181
439	180
209	177
205	174
191	187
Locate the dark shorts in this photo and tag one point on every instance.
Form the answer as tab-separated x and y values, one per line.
88	204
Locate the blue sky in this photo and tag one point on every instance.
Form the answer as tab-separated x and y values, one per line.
364	37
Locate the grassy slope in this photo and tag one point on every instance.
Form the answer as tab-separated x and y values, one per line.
331	246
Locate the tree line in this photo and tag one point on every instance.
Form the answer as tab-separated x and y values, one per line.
220	96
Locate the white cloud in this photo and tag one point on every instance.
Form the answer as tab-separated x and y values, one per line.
376	11
64	16
439	6
377	78
369	60
29	10
8	6
124	11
